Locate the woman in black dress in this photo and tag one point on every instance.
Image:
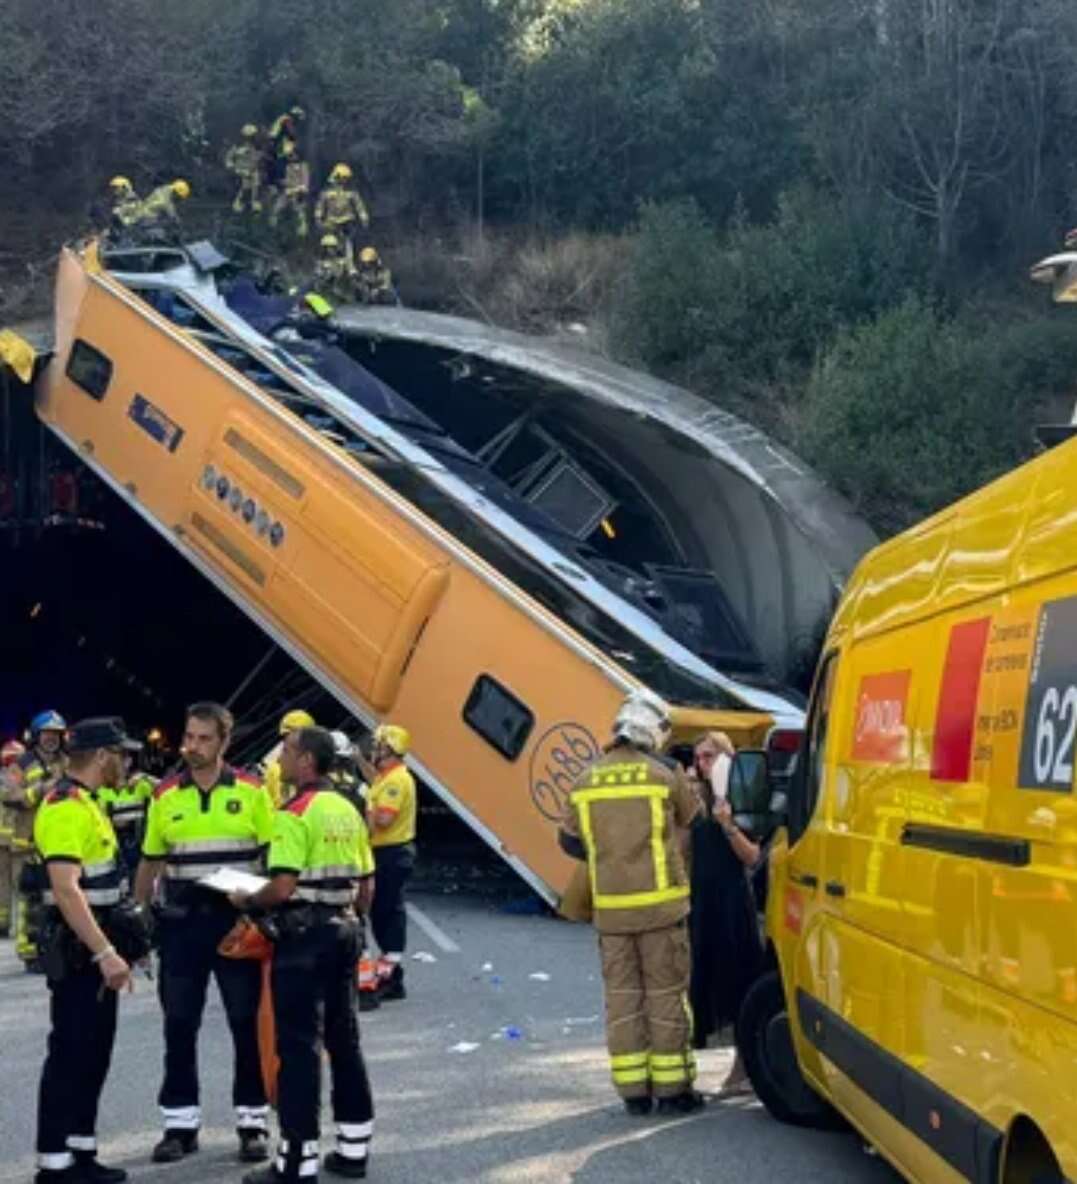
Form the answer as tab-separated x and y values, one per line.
727	948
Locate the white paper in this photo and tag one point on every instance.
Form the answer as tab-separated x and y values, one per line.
227	879
540	976
464	1046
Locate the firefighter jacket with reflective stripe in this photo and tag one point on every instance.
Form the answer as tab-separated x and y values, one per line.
197	830
627	815
321	838
33	774
245	160
160	206
338	206
72	827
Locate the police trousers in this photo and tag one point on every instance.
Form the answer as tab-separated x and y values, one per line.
80	1044
188	958
314	1006
393	866
648	1017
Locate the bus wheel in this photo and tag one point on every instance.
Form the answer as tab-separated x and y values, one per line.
766	1046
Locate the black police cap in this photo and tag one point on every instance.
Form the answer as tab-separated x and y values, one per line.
103	732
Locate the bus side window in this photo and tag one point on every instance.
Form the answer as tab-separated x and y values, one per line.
809	778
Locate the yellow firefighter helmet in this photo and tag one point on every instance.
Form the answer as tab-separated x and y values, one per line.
341	172
330	242
394	737
181	188
368	255
120	185
291	721
249	131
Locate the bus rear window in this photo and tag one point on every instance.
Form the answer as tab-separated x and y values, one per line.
89	369
498	716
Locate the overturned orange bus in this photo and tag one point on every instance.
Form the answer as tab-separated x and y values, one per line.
382	555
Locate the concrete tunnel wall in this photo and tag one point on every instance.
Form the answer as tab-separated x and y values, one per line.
781	542
767	567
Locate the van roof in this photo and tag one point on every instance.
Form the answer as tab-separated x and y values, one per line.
1019	528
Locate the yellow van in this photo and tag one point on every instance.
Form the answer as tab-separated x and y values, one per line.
922	908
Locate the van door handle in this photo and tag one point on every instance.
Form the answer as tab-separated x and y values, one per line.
833	888
805	879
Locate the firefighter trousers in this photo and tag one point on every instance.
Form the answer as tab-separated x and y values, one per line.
648	1018
7	884
314	1006
80	1044
296	203
250	191
188	958
27	910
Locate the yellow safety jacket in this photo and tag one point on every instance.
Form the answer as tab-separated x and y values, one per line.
394	792
71	827
321	838
194	831
627	816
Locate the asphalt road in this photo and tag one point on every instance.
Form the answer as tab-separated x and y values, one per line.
530	1101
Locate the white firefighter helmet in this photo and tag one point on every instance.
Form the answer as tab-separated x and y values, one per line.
643	720
342	746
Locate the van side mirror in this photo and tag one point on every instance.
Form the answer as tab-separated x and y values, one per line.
757	806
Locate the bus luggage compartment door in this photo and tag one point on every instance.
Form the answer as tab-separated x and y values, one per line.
340	571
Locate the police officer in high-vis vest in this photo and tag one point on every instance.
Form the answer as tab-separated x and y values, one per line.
391	809
126	806
84	889
627	815
321	867
205	817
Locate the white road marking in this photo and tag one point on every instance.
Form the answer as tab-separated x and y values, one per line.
432	931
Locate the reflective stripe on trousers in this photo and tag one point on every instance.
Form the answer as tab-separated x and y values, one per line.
353	1140
296	1159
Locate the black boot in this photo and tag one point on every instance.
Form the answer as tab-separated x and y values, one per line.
393	987
175	1145
93	1172
253	1146
68	1175
339	1165
638	1107
686	1103
270	1175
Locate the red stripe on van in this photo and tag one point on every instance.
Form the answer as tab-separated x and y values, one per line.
955	718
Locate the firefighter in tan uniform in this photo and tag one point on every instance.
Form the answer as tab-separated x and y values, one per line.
9	755
626	816
24	785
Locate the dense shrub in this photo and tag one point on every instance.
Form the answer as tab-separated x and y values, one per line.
756	304
916	409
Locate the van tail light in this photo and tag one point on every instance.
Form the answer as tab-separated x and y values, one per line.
783	744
